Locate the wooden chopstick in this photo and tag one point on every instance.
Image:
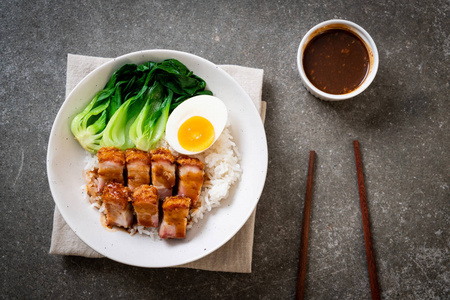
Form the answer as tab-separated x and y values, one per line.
366	224
300	294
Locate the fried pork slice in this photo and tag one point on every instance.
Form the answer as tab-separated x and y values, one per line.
175	212
190	178
145	203
91	179
163	172
138	168
111	162
118	209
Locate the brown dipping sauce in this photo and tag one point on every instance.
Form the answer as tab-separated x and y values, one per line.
336	61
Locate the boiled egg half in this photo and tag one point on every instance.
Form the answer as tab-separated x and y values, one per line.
196	124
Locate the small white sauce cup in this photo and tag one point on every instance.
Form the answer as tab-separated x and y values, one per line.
362	34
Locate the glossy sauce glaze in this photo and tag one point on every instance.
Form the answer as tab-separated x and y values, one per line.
336	61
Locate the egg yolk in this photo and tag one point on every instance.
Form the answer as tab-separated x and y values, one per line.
196	134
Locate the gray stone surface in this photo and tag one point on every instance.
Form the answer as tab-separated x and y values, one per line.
401	122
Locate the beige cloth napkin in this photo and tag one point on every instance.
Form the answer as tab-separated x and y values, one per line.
236	254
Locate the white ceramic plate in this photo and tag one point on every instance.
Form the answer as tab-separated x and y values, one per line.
65	162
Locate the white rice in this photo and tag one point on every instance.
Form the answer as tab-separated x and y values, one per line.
150	231
90	162
222	170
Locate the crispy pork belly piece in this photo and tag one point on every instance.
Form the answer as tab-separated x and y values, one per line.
145	203
118	209
190	178
163	172
175	212
111	162
91	179
138	168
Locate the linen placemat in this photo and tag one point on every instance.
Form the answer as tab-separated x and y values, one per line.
236	254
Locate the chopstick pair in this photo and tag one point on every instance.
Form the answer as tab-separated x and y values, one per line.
300	291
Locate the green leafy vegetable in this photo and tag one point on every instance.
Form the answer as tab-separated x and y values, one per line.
149	126
141	129
133	108
88	126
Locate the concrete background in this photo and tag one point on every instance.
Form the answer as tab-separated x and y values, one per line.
401	122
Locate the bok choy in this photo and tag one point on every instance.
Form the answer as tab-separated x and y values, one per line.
133	107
